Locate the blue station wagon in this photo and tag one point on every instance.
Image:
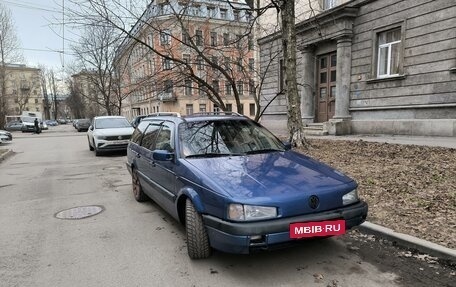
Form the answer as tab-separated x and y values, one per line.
235	186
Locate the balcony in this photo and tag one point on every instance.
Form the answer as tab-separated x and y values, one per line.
167	97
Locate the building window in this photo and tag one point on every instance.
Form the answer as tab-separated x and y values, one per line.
239	65
328	4
214	62
189	109
196	9
251	87
215	86
202	108
227	88
188	87
166	64
165	37
236	15
216	109
186	58
185	37
389	53
226	39
199	38
199	63
168	88
36	101
251	64
223	13
252	109
229	107
240	87
213	39
227	63
211	11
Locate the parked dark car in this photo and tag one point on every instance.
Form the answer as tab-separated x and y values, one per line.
235	186
14	126
82	125
51	123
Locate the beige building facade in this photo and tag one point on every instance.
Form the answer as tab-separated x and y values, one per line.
156	83
23	90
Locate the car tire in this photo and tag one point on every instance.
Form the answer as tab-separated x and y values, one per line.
90	146
198	246
138	192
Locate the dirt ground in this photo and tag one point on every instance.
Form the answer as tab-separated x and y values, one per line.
410	189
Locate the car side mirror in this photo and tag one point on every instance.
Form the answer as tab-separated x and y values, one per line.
287	145
162	155
91	128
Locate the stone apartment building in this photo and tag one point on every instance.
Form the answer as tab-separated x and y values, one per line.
371	67
156	83
23	89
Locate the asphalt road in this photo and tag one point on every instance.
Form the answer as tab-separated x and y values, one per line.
133	244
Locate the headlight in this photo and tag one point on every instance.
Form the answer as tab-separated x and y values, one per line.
350	197
101	137
241	212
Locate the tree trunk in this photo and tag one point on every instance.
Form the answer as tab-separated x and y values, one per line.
294	124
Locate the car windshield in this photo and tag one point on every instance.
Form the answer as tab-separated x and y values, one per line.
28	119
226	138
109	123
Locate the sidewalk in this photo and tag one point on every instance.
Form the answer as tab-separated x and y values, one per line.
448	142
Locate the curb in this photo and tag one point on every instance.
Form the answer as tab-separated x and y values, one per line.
409	241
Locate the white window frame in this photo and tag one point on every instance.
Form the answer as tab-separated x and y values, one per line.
375	67
389	60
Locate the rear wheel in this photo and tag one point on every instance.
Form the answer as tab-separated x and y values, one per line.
138	192
197	240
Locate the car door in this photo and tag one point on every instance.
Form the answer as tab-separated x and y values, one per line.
163	172
144	160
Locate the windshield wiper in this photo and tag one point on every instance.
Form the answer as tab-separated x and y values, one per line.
266	150
213	154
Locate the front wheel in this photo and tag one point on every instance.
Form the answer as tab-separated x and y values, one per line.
90	146
198	246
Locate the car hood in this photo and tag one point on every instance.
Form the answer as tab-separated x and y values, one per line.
271	175
114	131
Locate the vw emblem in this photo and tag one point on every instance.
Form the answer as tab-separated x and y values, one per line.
314	201
119	137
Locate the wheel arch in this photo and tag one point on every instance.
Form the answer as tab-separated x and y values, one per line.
181	199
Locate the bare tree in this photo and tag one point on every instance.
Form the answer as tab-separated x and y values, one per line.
194	59
9	53
295	125
95	53
44	89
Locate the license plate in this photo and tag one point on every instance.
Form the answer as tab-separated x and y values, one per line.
314	229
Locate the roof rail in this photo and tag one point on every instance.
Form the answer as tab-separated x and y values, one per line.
227	113
171	114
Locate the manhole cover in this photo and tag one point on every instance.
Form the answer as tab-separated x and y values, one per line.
79	212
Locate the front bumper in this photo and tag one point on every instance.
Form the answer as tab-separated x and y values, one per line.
119	145
235	237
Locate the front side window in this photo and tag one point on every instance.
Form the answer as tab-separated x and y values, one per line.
150	134
389	53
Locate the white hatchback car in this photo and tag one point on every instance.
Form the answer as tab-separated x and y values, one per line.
109	133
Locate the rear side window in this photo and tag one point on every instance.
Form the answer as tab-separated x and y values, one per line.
139	131
150	134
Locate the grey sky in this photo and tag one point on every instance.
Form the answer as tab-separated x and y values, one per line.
39	35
